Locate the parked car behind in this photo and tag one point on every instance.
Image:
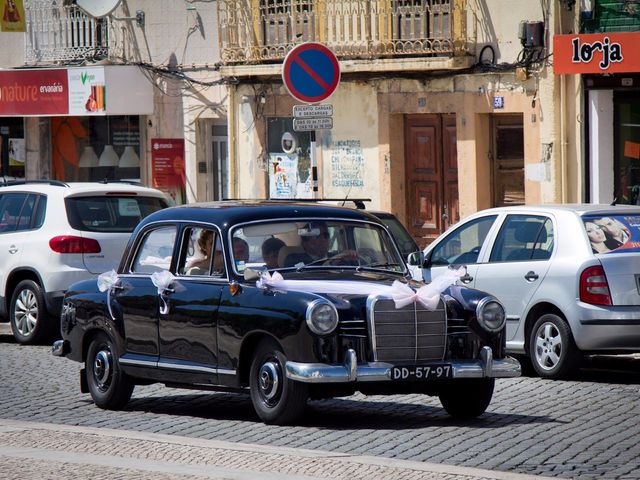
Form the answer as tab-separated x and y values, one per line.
53	234
192	305
568	276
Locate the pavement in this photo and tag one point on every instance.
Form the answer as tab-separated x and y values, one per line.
49	451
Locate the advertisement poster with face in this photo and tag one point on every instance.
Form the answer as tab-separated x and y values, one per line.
614	233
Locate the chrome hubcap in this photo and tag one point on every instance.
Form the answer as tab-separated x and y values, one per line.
102	369
269	380
548	348
26	312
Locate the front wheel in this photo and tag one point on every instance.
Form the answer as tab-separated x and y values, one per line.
467	398
109	386
551	347
276	399
28	313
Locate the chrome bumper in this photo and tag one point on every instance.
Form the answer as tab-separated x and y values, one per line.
60	348
352	371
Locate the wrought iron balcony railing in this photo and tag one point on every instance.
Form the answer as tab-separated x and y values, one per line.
59	33
254	31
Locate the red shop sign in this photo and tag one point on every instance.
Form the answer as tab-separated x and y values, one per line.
34	92
167	160
596	53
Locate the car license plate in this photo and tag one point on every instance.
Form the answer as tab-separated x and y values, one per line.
422	372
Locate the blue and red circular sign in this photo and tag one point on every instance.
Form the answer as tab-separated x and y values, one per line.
311	72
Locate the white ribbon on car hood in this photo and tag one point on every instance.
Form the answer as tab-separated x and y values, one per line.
401	293
107	282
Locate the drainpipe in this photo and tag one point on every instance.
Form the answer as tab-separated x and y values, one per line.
233	155
563	122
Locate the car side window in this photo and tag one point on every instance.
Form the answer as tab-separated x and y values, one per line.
10	208
26	214
464	244
523	238
198	256
156	248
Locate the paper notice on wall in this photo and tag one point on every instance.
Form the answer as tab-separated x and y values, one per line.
632	149
17	152
283	175
347	164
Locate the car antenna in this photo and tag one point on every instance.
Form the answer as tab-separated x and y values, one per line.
346	196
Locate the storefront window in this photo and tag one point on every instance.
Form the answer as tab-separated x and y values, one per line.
95	148
12	148
627	147
289	162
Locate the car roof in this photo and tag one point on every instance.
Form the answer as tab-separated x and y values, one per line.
79	188
579	209
231	212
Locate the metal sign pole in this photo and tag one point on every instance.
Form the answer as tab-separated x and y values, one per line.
314	164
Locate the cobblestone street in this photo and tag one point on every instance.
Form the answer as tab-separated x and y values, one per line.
585	427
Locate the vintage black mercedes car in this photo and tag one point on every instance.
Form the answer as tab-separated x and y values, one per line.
286	301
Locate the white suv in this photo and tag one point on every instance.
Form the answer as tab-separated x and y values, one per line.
53	234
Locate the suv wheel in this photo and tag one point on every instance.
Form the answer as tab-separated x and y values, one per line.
28	313
552	351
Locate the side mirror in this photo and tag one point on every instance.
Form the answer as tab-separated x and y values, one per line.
415	259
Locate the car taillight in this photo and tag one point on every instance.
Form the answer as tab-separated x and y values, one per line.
73	244
594	288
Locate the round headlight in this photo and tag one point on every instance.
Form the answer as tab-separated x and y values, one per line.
491	314
322	317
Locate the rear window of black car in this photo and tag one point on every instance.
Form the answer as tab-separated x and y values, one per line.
110	213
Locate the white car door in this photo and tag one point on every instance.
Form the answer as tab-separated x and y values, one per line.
463	245
14	228
519	260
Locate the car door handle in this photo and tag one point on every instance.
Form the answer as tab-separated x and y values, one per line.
531	276
466	278
13	249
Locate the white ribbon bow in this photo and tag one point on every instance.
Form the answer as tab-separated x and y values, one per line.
107	282
162	280
401	293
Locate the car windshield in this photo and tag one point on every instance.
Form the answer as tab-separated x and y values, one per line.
314	243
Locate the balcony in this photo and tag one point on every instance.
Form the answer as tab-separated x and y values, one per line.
64	34
263	31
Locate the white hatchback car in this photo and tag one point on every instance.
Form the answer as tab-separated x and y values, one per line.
53	234
568	276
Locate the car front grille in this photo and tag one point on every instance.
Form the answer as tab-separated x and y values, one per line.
408	334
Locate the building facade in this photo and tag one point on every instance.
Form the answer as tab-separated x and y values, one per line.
444	107
132	95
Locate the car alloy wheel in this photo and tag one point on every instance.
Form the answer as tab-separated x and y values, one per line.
25	311
551	348
30	322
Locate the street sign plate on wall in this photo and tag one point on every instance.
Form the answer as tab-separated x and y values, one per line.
311	72
308	124
308	111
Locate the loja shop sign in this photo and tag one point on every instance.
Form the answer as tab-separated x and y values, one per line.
596	53
53	92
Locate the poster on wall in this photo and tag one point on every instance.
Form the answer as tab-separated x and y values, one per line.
17	152
87	91
283	175
167	164
12	16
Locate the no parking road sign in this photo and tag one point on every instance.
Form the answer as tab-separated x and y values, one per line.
311	72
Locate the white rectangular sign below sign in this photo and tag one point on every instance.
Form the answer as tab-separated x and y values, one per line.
307	124
312	111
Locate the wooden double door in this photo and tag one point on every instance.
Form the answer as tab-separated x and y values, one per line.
431	175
